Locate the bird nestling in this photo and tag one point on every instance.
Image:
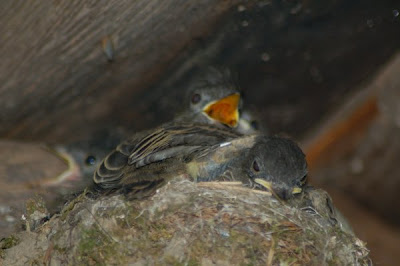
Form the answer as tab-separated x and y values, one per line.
215	99
201	153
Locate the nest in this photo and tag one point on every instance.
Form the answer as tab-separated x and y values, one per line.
185	223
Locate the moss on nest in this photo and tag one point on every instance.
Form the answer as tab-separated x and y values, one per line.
7	243
188	224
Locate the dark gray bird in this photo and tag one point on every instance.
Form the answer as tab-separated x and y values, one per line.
215	99
82	158
152	148
272	163
277	164
202	153
54	172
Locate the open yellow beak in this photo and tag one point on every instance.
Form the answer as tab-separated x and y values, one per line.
225	110
73	171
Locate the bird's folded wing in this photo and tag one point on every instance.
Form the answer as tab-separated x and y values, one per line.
145	148
175	140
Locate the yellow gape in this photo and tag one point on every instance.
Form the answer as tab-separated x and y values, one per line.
225	110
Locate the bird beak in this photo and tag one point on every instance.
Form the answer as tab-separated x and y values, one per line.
224	110
277	194
268	186
297	190
264	183
73	172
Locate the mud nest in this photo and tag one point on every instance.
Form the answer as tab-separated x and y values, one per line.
184	223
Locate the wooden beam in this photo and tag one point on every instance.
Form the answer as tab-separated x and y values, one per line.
54	74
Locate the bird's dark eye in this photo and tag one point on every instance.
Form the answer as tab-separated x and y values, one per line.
254	124
90	160
196	98
256	167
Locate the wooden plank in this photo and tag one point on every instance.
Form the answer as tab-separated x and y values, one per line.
54	75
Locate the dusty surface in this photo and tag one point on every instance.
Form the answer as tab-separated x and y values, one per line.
186	223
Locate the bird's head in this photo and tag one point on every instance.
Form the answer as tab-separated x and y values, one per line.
216	97
84	156
277	165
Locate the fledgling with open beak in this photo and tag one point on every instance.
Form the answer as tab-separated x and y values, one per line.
52	172
202	153
82	158
215	99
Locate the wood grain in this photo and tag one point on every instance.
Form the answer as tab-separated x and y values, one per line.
54	75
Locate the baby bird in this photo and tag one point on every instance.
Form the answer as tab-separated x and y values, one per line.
277	164
215	99
201	153
268	163
212	116
153	148
82	158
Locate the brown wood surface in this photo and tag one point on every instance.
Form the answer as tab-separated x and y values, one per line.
296	60
54	75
